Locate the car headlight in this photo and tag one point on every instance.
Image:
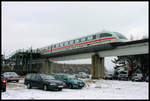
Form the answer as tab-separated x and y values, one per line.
53	83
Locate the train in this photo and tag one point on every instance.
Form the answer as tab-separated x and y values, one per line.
95	42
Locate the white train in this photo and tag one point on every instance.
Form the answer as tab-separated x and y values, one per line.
88	42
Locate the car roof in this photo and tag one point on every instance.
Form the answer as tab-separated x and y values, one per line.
62	74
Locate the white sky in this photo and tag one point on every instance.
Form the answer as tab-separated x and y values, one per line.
38	24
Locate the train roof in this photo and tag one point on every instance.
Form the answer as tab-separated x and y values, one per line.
81	37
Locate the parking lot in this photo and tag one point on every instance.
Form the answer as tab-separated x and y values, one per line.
94	89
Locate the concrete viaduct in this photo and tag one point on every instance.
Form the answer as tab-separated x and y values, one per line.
127	48
97	57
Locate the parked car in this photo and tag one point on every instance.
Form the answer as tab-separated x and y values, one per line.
109	76
70	80
137	77
3	83
82	75
43	81
11	76
123	75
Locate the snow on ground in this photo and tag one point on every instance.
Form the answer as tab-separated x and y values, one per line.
94	89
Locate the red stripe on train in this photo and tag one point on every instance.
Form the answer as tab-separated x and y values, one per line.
78	44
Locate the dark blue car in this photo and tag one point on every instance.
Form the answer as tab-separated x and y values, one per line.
70	80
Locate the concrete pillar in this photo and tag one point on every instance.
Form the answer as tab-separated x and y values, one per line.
97	69
51	68
47	67
102	68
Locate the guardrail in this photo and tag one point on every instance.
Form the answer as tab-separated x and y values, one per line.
21	51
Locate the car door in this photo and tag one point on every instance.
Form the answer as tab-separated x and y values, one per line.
39	82
33	81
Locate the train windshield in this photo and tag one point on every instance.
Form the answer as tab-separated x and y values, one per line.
120	35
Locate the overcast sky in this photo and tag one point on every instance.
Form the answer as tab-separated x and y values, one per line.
37	24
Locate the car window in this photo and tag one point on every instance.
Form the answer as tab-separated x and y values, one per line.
6	73
36	77
33	76
59	77
47	77
123	72
28	76
13	73
71	77
64	77
39	77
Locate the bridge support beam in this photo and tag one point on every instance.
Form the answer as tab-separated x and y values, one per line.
97	69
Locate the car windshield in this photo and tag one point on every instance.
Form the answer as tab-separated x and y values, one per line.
123	73
71	77
47	77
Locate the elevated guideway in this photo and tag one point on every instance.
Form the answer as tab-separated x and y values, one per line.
25	59
119	49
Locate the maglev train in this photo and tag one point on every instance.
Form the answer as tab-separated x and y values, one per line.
87	42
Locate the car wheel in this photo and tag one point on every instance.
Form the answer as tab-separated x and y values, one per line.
45	88
29	86
70	86
17	80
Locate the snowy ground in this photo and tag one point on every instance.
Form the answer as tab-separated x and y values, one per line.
94	89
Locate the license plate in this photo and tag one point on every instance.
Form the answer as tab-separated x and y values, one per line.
60	86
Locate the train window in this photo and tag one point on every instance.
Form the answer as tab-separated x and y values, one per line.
94	36
54	46
49	47
120	35
66	43
105	35
61	44
83	39
57	45
72	42
77	41
97	36
89	38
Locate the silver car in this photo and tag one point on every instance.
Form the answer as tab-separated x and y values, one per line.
11	76
137	77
